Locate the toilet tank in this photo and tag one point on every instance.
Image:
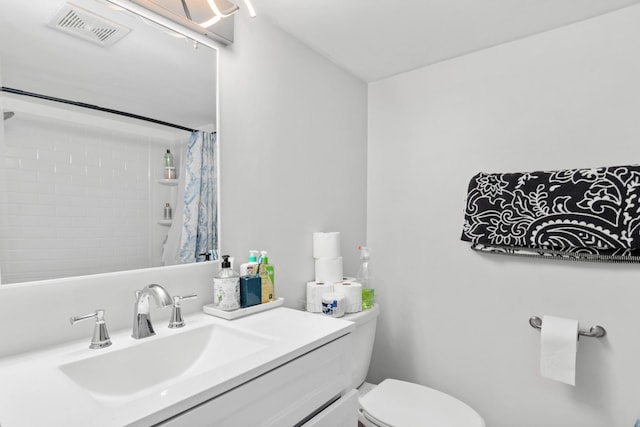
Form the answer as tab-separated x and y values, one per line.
363	337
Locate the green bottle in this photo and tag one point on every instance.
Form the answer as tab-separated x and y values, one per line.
267	278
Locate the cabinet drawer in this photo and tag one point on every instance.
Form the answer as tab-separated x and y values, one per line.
281	397
341	413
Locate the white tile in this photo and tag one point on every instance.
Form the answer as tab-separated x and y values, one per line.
11	162
89	189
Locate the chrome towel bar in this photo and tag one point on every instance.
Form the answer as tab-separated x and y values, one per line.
595	331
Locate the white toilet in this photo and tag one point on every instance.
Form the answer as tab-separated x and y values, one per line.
394	403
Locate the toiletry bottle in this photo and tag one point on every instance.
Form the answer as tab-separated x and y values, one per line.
267	278
250	267
167	211
169	167
226	287
364	277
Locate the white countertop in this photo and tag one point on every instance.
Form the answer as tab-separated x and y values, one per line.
34	391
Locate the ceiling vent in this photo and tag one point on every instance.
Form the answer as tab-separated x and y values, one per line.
86	25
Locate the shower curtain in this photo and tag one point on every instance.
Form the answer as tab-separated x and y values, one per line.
197	232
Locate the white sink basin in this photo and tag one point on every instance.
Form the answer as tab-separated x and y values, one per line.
144	382
153	361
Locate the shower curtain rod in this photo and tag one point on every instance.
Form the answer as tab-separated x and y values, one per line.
94	107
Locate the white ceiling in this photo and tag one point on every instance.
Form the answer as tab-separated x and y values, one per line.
374	39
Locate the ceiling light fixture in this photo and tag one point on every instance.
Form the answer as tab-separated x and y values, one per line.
210	22
191	18
250	9
224	9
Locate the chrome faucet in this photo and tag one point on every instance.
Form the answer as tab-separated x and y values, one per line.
100	335
176	320
142	326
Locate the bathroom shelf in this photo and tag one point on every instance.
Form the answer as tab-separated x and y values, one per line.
241	312
166	222
169	182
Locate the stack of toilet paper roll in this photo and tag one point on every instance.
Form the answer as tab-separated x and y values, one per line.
352	292
345	295
331	292
328	259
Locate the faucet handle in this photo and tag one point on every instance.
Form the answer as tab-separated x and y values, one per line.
176	320
100	334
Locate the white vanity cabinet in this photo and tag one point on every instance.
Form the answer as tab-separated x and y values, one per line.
280	367
309	390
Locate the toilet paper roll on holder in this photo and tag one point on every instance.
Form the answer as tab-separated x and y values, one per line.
594	332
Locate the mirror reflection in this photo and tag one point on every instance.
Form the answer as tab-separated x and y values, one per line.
85	191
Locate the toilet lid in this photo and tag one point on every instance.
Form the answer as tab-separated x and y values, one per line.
402	404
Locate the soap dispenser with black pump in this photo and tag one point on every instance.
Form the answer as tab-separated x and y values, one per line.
226	287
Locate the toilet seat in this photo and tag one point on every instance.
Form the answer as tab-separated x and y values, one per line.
403	404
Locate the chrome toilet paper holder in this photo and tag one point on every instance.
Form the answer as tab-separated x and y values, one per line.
596	331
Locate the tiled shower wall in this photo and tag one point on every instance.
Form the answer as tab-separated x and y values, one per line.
78	199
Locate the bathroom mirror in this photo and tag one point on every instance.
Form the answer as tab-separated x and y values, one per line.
82	191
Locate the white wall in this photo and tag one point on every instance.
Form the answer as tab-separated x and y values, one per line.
293	153
458	320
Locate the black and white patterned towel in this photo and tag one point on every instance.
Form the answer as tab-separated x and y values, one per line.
582	214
